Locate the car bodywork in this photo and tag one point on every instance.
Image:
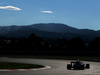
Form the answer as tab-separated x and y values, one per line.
78	66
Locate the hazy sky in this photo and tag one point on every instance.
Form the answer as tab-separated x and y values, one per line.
76	13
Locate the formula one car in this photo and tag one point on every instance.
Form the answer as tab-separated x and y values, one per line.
78	65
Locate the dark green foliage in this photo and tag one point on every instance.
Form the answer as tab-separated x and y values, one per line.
95	45
8	65
76	44
35	43
62	44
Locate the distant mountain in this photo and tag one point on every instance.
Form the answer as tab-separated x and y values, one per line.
54	27
48	30
66	30
61	28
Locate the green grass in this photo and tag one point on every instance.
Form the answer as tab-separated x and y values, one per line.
8	65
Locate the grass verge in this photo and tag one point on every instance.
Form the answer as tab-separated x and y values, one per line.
8	65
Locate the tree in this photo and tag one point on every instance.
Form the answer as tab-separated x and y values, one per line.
35	42
76	44
95	45
62	44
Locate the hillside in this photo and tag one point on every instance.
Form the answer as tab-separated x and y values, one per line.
55	27
48	30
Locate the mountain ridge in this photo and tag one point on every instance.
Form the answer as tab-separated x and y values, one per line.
62	28
48	30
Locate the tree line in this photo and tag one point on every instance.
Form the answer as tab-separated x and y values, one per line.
35	43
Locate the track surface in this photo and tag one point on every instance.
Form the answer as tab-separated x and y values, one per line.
58	67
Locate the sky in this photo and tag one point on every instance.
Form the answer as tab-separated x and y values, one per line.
81	14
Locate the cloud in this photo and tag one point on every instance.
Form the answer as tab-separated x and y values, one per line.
9	8
46	11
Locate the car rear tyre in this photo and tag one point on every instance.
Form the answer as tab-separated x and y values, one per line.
87	66
69	66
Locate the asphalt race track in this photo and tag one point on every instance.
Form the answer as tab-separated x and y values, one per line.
58	67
